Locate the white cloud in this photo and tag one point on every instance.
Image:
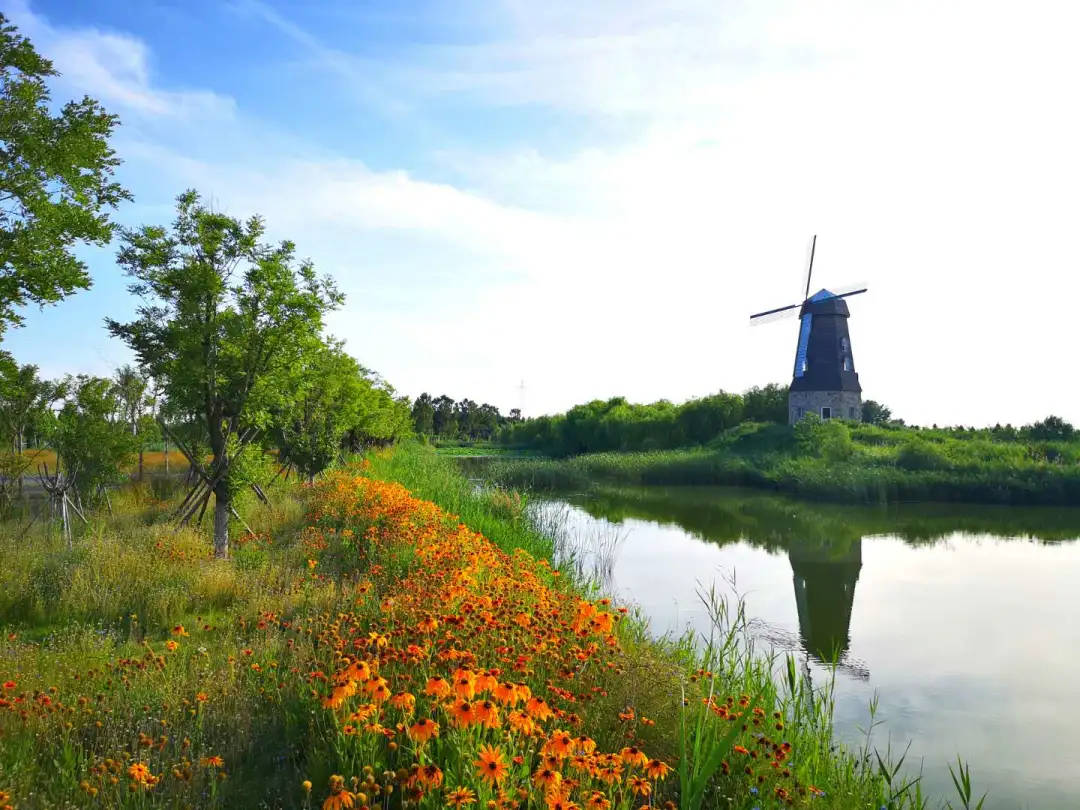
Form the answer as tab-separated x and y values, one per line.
116	66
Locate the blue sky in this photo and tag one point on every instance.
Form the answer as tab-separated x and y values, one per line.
592	197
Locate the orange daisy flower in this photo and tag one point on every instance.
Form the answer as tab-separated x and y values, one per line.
423	730
461	797
463	714
657	769
438	687
491	766
634	757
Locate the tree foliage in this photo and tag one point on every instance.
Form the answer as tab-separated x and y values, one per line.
616	424
91	442
56	186
224	327
445	418
874	413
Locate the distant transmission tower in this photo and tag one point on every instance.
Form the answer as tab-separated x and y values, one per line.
521	399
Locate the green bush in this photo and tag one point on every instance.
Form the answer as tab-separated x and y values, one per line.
919	454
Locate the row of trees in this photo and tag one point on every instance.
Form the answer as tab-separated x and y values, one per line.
616	424
443	418
232	355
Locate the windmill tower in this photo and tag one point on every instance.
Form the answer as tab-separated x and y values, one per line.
824	380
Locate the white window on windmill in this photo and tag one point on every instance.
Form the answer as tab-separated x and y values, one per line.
802	366
847	363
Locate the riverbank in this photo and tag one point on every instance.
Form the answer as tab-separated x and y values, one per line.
832	462
368	647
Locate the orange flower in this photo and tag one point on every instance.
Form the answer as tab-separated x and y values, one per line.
640	785
538	708
139	773
171	645
461	797
403	701
212	762
505	693
438	687
487	713
559	744
201	697
429	776
521	723
428	625
464	684
491	766
597	801
423	730
634	757
546	778
657	769
179	630
9	685
463	714
339	798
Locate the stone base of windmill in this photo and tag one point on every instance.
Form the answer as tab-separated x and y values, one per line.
826	404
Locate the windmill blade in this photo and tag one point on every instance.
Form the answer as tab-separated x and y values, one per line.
848	290
770	315
805	289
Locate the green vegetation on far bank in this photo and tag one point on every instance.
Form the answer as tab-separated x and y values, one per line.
841	462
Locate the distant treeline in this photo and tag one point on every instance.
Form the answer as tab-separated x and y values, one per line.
621	426
616	424
446	419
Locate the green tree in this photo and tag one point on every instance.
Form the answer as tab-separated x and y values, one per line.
25	404
768	404
225	323
1052	428
331	395
423	415
874	413
130	388
91	443
56	184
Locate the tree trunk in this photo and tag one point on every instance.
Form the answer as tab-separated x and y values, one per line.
221	520
140	465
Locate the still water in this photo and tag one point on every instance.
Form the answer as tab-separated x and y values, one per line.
964	621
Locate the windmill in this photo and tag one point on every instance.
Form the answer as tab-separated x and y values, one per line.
824	380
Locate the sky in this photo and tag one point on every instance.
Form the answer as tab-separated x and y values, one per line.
590	199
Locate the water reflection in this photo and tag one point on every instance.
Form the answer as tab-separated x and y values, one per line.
962	620
824	593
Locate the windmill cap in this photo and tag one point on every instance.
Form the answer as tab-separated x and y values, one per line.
824	302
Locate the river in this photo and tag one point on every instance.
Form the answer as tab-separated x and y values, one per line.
964	621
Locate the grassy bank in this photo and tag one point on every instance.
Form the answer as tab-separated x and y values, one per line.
368	649
862	464
661	669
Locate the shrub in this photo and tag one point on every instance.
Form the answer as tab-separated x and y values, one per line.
919	454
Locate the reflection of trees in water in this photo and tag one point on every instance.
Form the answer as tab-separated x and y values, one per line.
776	522
823	543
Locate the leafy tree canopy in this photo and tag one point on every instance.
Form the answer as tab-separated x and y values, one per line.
56	185
224	329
